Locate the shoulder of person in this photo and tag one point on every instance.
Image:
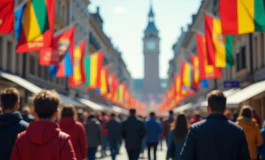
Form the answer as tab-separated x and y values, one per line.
63	135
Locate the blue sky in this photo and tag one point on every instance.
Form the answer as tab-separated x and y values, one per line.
125	21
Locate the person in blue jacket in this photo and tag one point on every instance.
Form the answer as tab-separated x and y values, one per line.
154	130
177	136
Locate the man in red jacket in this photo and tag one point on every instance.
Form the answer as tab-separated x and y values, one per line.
43	139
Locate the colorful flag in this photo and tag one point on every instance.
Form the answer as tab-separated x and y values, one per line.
242	16
116	91
206	71
34	25
93	65
204	83
111	82
121	93
219	47
78	78
186	74
6	16
63	45
178	87
196	72
104	84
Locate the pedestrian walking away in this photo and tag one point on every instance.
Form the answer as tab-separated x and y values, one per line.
104	119
133	131
43	139
11	122
114	135
216	137
94	135
153	133
167	124
251	129
75	129
177	136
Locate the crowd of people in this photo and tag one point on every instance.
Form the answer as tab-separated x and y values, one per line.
60	132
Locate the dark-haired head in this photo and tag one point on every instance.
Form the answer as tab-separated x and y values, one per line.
171	113
246	111
113	115
132	112
46	104
68	110
216	102
152	114
9	99
181	126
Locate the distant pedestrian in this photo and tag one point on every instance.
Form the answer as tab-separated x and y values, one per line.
216	137
177	136
161	136
75	129
167	124
11	122
196	117
133	131
256	117
27	116
154	130
251	129
104	119
261	149
43	139
94	136
114	135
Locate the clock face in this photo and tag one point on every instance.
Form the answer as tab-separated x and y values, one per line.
151	45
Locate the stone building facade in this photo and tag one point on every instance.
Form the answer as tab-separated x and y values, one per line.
249	68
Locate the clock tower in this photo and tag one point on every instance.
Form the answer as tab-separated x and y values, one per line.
151	82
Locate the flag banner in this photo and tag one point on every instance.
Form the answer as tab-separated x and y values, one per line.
196	72
219	48
186	74
206	71
63	45
111	80
242	16
48	57
78	78
6	16
116	90
178	87
34	25
121	92
104	84
93	65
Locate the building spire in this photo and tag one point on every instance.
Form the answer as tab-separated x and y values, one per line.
151	13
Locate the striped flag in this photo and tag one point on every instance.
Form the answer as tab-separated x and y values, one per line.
104	84
206	71
219	47
93	65
186	74
196	72
78	78
242	16
34	25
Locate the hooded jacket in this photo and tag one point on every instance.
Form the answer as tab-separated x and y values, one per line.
77	133
10	125
253	135
43	140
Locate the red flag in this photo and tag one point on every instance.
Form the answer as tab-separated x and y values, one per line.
6	16
48	57
206	71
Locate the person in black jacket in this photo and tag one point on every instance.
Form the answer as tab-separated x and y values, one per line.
215	138
114	135
11	122
133	131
